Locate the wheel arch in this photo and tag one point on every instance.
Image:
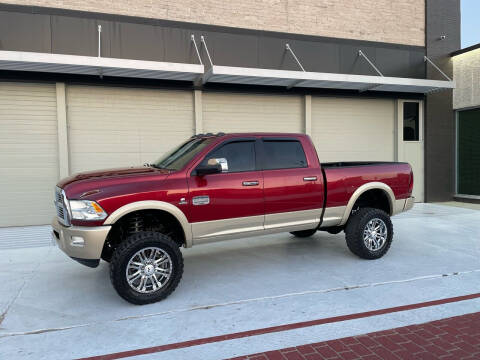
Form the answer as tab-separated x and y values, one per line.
154	205
375	185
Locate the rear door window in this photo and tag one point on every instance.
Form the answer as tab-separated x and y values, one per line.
283	154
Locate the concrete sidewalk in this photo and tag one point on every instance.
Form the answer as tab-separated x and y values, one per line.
55	308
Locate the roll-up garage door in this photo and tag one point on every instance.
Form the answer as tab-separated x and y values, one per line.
28	153
226	112
345	129
113	127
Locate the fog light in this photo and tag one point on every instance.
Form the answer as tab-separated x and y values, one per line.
77	241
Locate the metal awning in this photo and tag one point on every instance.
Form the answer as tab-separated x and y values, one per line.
90	65
287	78
102	66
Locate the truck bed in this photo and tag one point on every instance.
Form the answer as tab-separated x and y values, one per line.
357	163
343	178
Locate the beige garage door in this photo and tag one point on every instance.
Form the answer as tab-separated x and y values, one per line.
346	129
28	153
111	127
224	112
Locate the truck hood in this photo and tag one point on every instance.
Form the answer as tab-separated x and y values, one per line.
100	183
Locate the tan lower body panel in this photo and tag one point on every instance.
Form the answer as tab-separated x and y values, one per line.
333	216
308	218
225	229
218	230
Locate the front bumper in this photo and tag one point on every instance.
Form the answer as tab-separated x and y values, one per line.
81	243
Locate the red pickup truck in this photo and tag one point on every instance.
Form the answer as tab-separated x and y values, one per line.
218	187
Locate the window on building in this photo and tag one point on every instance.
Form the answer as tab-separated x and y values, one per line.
234	157
468	152
283	154
411	121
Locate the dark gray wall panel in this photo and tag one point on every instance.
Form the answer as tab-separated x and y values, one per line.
351	63
272	54
233	49
74	36
128	40
315	55
147	39
24	32
443	18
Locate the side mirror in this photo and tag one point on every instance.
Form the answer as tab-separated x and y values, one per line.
208	169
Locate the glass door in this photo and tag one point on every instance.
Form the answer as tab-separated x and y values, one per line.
410	142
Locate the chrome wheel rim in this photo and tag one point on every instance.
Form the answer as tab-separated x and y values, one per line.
149	270
375	234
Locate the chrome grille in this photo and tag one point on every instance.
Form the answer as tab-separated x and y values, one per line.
61	206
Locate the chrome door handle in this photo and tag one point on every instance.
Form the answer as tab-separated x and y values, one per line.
250	183
310	178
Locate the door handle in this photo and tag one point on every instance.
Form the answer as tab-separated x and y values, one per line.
250	183
310	178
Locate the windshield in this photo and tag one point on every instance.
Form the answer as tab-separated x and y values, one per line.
180	157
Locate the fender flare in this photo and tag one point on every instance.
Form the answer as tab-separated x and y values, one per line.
374	185
154	205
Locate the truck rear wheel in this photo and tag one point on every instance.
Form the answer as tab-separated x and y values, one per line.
304	233
146	267
369	233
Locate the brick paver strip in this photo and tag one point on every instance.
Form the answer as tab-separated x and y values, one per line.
452	338
291	326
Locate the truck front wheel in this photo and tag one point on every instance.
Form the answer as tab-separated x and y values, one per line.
369	233
146	267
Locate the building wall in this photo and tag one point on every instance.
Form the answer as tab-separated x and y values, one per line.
442	18
399	21
466	73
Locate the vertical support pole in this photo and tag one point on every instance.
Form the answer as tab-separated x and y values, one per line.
308	114
63	165
198	111
99	40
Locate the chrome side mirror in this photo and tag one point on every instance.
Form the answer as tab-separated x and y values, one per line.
220	161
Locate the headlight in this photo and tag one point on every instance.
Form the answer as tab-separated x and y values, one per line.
86	210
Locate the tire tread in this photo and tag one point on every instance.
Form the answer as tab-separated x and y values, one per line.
126	246
354	233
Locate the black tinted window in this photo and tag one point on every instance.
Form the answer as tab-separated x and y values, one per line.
411	131
239	156
281	154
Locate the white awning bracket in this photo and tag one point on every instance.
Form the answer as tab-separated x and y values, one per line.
362	54
288	48
192	37
426	59
202	39
297	82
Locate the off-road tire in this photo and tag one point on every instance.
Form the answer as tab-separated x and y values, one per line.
355	228
304	233
127	249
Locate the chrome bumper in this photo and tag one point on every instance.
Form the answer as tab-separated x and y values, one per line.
80	242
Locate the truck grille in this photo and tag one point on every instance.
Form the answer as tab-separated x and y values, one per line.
61	206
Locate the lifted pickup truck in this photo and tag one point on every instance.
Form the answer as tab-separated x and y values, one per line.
219	187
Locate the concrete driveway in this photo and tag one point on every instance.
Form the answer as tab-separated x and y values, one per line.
54	308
